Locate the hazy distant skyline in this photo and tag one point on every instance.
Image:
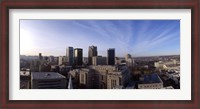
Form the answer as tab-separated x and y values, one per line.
136	37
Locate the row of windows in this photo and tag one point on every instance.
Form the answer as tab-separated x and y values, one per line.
150	86
113	83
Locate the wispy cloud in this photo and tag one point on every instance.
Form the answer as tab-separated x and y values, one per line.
137	37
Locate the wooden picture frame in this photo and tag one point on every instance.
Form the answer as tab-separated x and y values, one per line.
89	4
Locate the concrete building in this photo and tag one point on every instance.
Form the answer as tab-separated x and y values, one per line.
150	81
129	60
110	77
62	60
47	80
111	56
168	65
74	74
99	60
87	78
92	51
63	70
104	68
118	78
34	66
128	56
114	80
70	55
78	56
51	59
117	61
25	79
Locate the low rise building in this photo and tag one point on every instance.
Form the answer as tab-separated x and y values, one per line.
25	79
150	81
99	60
47	80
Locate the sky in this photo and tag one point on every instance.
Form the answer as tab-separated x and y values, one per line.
136	37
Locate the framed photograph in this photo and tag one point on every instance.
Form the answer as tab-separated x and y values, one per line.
100	54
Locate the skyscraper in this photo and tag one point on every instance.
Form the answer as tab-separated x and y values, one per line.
92	51
78	56
70	55
111	56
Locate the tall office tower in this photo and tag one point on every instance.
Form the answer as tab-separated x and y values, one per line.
70	55
78	56
111	56
92	51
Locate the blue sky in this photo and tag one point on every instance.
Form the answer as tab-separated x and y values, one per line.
136	37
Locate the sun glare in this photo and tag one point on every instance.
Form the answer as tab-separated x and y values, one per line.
26	43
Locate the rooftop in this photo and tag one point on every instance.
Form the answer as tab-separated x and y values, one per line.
24	73
46	75
150	78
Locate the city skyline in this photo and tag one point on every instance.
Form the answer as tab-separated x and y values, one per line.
136	37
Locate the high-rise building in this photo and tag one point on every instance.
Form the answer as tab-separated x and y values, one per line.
78	56
111	56
92	51
70	55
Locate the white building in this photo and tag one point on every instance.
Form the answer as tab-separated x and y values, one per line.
129	60
62	60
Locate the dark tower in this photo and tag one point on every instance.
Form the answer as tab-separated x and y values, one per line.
78	56
111	56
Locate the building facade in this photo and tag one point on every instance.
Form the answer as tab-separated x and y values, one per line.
114	80
87	78
47	80
111	56
150	81
62	60
78	56
98	60
92	51
70	55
